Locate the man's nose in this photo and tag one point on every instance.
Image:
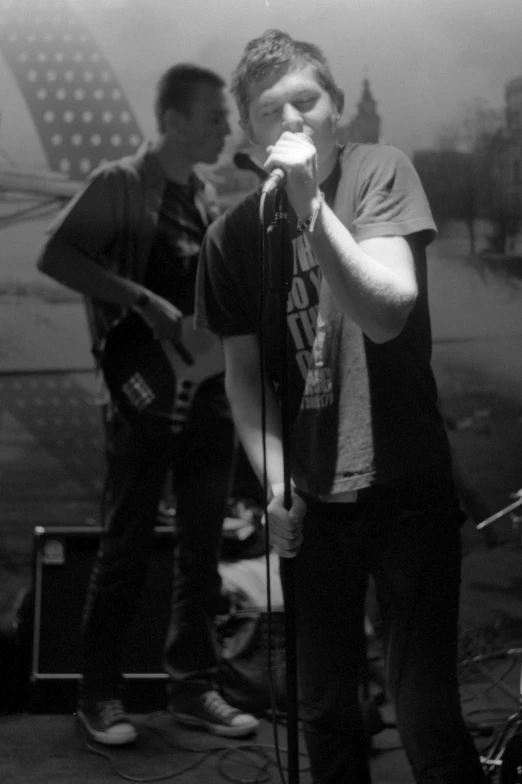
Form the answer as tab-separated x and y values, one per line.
291	119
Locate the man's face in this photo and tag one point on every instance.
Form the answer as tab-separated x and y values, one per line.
201	135
293	100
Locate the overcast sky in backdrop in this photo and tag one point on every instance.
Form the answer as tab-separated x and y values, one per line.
425	58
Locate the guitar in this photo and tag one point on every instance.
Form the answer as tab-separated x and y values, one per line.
152	381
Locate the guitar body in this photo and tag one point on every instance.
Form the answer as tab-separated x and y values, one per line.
153	383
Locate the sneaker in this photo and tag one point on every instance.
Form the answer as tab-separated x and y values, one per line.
107	722
209	711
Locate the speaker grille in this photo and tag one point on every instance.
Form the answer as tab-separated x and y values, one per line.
63	559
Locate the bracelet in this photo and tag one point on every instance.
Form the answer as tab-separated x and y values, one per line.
308	223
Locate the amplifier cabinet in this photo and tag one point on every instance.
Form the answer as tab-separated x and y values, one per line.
63	557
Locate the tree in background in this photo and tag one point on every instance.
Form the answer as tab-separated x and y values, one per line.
448	177
459	174
505	205
472	129
480	134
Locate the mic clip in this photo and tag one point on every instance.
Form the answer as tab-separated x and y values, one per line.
274	181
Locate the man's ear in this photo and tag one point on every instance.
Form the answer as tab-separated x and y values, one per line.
173	121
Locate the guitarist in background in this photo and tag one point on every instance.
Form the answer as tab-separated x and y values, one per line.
130	240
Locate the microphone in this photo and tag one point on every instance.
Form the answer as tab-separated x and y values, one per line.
243	161
276	179
271	181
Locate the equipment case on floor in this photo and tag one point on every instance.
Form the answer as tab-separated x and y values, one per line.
63	558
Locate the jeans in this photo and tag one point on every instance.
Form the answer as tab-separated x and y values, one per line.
201	458
409	540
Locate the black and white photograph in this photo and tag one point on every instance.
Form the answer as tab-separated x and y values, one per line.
261	391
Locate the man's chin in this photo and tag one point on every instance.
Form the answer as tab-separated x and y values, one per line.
211	158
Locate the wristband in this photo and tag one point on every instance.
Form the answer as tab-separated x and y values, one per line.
308	223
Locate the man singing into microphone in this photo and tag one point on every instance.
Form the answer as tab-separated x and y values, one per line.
371	470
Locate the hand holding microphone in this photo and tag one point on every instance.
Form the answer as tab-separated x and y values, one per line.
276	179
292	162
272	181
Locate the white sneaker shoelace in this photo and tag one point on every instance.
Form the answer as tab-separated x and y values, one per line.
112	712
215	703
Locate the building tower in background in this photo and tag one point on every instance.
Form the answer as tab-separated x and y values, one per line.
365	126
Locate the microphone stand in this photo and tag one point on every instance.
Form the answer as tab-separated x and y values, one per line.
280	253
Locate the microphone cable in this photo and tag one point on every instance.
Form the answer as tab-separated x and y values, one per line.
263	255
255	755
244	161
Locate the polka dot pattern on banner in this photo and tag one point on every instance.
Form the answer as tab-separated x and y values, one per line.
79	109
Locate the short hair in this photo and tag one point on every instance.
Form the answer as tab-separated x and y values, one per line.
177	86
272	49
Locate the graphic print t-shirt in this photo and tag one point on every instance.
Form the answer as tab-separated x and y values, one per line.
362	412
238	280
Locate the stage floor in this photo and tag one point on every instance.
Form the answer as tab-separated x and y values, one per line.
47	748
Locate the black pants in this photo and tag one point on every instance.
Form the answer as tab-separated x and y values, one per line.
201	458
410	541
